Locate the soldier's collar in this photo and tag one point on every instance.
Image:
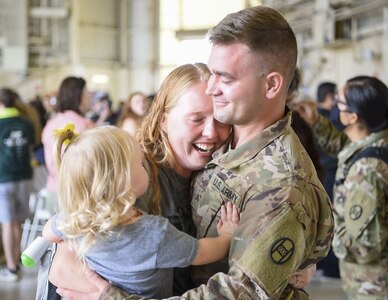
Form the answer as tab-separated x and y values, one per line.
230	158
356	146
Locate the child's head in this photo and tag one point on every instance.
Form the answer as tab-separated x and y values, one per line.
100	177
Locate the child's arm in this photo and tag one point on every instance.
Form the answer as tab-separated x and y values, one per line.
213	249
48	233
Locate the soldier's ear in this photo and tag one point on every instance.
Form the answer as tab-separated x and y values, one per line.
275	82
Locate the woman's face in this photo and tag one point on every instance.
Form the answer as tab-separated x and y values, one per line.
192	131
139	104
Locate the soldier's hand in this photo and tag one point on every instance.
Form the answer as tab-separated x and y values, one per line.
230	219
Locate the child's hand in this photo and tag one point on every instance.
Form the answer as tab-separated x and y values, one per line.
229	219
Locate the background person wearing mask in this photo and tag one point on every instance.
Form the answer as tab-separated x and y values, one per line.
361	188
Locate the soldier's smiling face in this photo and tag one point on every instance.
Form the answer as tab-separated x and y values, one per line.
236	86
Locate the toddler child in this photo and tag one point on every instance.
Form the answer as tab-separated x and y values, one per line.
100	176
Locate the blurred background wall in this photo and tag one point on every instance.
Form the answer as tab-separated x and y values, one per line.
121	46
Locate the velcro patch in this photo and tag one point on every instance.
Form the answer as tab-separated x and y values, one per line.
282	250
274	254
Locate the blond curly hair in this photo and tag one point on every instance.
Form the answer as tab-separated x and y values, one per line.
95	190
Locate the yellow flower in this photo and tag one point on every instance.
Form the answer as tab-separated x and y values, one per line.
69	129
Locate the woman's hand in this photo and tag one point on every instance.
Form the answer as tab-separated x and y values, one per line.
94	279
68	272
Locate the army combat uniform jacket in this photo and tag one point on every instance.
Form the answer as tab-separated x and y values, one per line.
361	213
286	223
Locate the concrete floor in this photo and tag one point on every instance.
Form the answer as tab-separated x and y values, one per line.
21	290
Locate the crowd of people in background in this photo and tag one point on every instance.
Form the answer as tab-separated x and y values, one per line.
344	133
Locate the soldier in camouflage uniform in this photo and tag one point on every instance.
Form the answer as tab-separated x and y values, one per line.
287	221
361	190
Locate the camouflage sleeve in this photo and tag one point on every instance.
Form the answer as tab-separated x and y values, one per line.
277	244
213	291
328	137
363	232
113	292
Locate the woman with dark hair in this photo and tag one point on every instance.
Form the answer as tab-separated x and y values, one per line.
361	188
72	102
72	94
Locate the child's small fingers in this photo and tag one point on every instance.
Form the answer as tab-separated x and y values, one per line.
223	213
235	215
229	210
219	224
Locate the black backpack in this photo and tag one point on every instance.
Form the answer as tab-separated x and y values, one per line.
375	152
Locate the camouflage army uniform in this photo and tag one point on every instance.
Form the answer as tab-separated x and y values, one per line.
361	214
287	221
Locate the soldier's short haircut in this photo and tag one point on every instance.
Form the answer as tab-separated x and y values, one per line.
264	31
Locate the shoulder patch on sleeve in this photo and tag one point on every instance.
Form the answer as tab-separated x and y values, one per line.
273	255
282	250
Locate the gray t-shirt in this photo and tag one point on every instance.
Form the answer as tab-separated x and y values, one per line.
140	257
175	204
